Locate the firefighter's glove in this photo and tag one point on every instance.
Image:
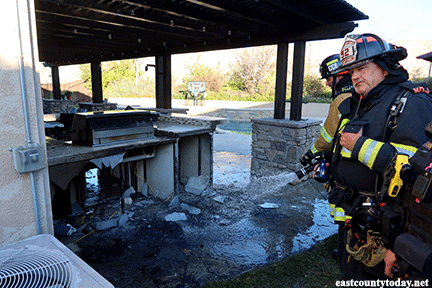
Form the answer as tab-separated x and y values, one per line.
306	159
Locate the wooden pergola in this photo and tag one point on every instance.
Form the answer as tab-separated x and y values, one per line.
83	31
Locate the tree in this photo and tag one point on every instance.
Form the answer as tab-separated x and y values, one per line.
252	67
201	72
112	72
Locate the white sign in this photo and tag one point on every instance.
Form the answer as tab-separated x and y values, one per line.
196	87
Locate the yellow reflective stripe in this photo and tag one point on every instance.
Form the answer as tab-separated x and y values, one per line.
369	151
343	124
405	149
332	61
314	149
339	214
327	137
345	153
332	209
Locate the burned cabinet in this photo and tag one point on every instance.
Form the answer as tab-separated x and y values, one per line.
195	157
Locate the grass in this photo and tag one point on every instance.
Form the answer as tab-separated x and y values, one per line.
315	267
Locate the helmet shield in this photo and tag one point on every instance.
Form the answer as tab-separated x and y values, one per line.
360	49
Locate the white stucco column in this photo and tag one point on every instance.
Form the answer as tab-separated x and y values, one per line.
20	89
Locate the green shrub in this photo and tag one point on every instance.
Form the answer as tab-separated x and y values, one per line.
313	85
201	72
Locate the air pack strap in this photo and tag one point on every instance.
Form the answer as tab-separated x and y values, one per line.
396	109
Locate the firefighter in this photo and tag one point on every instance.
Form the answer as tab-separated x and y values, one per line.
340	84
384	117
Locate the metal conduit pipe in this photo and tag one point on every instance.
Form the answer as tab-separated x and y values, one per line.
27	124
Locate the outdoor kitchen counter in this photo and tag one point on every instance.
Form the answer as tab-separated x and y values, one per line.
194	142
178	130
61	152
181	148
182	125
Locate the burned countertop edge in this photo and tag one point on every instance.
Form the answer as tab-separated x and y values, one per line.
178	131
59	152
185	125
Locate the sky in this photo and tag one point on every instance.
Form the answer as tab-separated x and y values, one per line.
395	19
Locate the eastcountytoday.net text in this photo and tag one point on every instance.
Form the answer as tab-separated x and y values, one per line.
382	283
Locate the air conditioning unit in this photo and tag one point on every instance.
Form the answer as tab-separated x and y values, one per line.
43	261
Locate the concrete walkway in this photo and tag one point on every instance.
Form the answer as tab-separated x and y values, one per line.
308	110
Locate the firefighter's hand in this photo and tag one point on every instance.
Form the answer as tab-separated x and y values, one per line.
348	140
389	260
316	169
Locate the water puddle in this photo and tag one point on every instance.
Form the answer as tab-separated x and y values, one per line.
92	188
231	168
243	233
322	228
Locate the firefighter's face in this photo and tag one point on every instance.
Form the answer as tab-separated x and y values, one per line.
329	81
366	77
333	80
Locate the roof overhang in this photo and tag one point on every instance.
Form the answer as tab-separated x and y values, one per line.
83	31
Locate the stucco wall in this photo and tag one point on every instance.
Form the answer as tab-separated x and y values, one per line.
17	216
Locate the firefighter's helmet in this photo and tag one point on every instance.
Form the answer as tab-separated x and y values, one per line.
360	49
329	66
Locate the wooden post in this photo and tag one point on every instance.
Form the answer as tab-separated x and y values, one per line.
281	79
96	77
297	80
56	82
163	81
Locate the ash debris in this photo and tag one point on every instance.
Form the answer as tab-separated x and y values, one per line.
195	238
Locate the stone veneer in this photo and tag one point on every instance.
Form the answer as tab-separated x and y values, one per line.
278	144
203	121
98	106
242	113
54	106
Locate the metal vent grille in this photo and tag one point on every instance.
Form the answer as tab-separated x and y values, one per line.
28	268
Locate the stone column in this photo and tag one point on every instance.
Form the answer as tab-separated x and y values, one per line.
278	144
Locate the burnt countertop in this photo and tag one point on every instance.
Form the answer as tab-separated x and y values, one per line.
63	152
182	125
179	130
167	130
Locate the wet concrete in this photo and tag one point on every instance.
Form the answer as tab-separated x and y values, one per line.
232	234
